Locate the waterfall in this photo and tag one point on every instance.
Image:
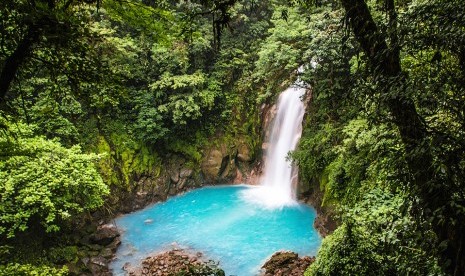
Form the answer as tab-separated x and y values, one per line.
276	185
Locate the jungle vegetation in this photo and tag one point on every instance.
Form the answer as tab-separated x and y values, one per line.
93	92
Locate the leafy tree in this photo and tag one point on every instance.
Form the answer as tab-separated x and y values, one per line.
44	183
438	195
28	26
393	72
283	49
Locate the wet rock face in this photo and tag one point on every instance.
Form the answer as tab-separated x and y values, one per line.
181	178
175	262
175	177
228	162
325	221
222	161
220	164
243	152
211	166
286	263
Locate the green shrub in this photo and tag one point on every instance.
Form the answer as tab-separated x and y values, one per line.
15	269
43	183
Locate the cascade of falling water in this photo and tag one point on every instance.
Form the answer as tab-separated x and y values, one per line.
276	189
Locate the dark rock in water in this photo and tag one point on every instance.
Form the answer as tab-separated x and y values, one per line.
286	264
104	235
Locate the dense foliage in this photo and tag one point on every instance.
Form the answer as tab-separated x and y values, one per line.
43	182
94	94
14	269
384	139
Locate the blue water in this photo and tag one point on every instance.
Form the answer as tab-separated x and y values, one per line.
219	223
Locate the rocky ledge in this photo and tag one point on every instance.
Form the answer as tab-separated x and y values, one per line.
175	262
286	263
95	251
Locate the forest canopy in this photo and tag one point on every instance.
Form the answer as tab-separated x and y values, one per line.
96	94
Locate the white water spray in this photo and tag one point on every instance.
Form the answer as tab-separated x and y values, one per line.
276	188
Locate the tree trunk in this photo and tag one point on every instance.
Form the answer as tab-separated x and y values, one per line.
14	61
385	63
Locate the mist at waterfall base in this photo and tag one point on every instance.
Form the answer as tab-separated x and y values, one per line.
238	226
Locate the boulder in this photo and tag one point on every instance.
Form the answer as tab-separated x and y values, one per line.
105	235
243	153
182	184
286	263
174	164
211	166
228	169
280	259
98	266
99	261
185	173
174	176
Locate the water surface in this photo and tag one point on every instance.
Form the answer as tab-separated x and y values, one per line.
221	224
